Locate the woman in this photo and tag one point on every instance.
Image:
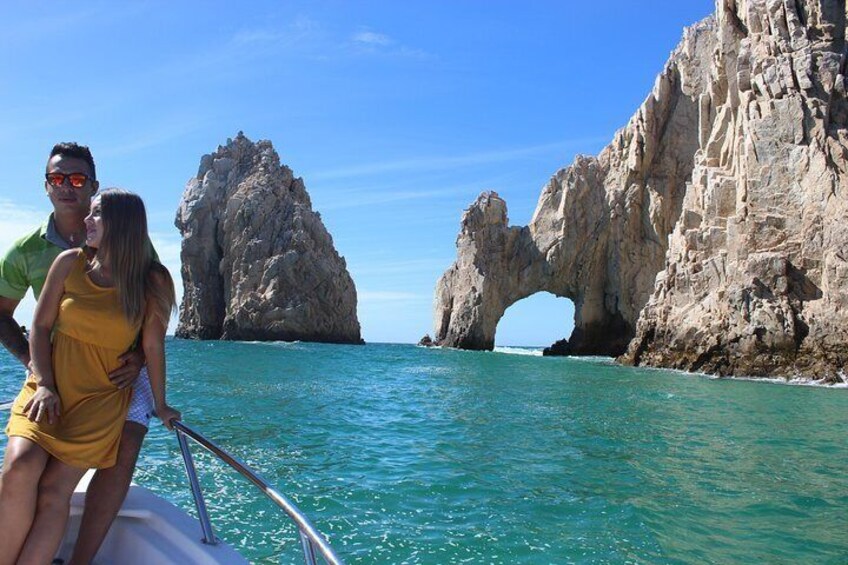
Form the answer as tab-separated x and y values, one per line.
68	416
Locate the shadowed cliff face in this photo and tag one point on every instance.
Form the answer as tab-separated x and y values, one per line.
712	230
257	262
599	233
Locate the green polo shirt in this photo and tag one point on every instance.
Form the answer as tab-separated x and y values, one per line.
27	262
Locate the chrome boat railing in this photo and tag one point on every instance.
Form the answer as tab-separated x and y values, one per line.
311	540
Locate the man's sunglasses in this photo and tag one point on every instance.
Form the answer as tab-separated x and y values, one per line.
76	180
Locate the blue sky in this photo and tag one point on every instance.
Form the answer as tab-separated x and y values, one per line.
396	114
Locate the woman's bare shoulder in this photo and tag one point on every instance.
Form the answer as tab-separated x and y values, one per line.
66	259
60	269
69	254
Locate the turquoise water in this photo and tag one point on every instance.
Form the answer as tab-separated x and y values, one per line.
408	455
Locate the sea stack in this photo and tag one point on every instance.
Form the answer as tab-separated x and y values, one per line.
710	235
257	261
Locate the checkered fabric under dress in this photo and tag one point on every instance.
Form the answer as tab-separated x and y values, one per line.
141	403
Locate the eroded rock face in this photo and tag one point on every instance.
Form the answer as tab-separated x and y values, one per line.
257	262
599	232
756	277
713	229
495	266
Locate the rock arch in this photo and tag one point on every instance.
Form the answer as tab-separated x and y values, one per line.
712	229
599	233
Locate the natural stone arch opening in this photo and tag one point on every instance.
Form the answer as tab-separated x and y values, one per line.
499	265
538	320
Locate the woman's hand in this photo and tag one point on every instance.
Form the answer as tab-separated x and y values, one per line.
45	402
166	414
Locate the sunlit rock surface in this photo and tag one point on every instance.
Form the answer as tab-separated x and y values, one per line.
257	262
711	233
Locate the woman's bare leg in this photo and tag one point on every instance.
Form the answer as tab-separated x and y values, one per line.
23	464
51	516
106	493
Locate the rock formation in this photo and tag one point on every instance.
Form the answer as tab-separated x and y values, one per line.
756	280
710	234
257	262
426	341
598	235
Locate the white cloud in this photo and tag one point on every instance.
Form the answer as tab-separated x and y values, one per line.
370	38
439	162
18	220
299	29
330	195
372	42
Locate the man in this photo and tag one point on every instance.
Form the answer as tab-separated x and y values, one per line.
70	184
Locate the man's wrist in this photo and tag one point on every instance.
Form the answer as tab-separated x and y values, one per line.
13	337
46	382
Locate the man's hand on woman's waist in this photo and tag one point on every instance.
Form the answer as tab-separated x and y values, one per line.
126	374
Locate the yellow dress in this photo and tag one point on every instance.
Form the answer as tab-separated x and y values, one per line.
90	333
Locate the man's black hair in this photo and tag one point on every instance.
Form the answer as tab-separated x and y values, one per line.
75	150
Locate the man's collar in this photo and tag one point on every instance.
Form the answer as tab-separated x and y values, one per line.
51	234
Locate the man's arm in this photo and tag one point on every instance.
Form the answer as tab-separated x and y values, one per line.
11	334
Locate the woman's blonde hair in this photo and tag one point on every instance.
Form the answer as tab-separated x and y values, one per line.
138	277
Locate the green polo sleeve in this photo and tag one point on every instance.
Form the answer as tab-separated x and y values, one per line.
13	274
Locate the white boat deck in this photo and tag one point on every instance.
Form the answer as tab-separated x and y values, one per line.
148	530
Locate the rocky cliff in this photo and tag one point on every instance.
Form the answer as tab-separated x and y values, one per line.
257	262
711	233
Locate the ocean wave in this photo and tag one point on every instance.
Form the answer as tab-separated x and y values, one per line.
534	352
274	343
598	359
797	380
